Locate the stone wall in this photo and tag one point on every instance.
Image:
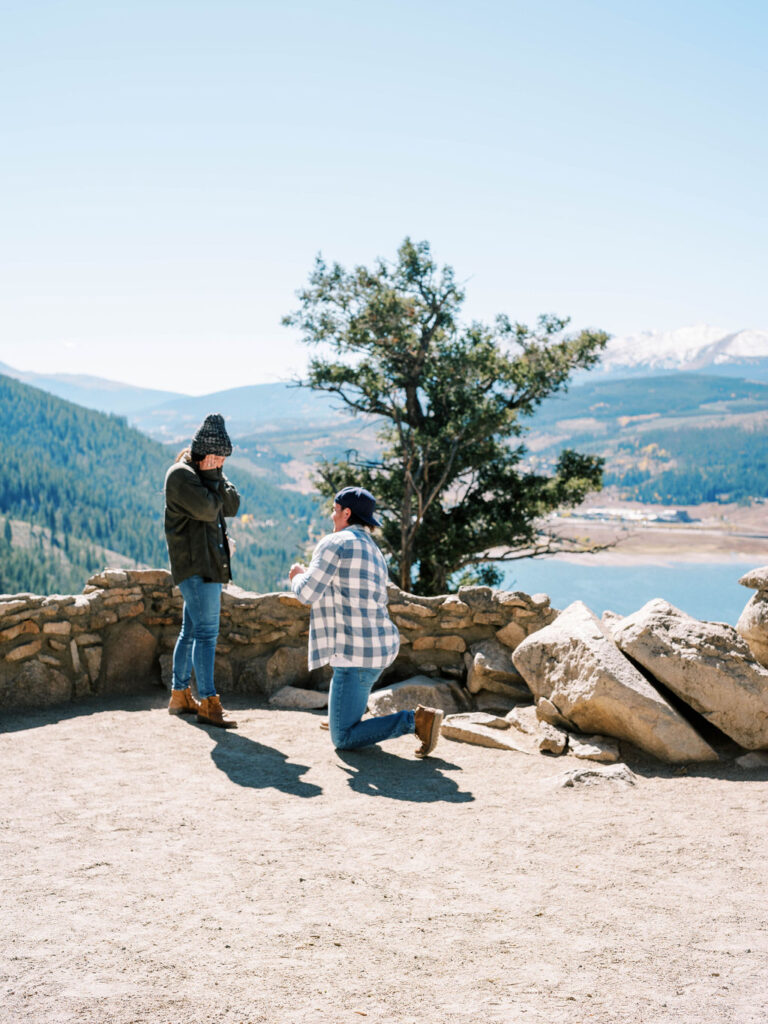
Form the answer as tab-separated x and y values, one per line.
118	635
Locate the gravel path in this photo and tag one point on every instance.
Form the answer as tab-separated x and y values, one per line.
160	872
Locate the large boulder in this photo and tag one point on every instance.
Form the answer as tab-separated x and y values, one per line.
575	664
753	622
707	664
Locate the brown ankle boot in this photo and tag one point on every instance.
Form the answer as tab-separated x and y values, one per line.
183	703
211	712
427	722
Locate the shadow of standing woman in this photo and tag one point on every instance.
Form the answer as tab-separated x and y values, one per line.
252	764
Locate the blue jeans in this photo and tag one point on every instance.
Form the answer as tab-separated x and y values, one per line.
199	632
347	701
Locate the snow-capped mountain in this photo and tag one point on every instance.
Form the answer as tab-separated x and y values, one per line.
703	348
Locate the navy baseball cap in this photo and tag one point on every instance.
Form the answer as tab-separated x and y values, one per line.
359	501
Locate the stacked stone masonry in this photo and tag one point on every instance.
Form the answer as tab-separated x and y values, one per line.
118	636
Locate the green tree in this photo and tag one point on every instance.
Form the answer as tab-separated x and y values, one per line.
451	484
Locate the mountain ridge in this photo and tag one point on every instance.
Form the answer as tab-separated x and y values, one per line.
171	416
685	349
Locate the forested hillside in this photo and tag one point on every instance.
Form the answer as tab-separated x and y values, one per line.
86	482
680	439
691	465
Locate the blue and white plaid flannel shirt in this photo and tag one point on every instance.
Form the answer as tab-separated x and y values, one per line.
346	586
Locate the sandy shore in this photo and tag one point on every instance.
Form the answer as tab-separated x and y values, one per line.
157	872
717	533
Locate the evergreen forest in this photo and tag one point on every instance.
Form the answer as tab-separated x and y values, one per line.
691	465
78	487
673	439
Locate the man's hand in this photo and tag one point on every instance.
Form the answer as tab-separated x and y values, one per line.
295	569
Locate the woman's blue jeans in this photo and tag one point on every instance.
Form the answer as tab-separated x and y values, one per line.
348	699
197	640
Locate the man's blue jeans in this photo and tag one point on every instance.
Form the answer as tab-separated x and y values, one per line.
197	640
348	700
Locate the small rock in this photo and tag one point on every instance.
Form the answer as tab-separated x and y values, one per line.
299	699
549	739
594	748
489	667
548	713
511	635
616	773
755	759
552	740
524	719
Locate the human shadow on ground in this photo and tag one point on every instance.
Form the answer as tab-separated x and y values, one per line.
374	772
257	766
146	697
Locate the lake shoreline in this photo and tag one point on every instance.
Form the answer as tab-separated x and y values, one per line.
713	533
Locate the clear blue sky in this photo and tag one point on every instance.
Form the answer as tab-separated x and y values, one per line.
170	168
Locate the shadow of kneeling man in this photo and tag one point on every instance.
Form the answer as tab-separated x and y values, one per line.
374	772
257	766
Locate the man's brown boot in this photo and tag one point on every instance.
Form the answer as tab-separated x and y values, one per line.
211	712
427	722
183	703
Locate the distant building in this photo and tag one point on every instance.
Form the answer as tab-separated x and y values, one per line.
626	515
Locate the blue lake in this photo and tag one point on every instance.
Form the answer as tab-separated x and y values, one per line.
706	590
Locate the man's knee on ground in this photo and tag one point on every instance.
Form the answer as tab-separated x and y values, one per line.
341	738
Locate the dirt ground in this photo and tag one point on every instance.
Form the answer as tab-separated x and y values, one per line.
160	872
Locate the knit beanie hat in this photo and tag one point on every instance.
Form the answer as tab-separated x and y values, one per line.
211	438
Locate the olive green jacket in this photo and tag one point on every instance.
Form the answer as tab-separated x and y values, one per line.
196	502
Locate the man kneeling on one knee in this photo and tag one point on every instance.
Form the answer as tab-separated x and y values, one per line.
350	629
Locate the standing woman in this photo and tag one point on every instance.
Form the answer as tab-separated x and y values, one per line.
197	498
350	627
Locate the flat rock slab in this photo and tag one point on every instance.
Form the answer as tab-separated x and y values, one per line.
487	731
576	665
707	664
445	694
